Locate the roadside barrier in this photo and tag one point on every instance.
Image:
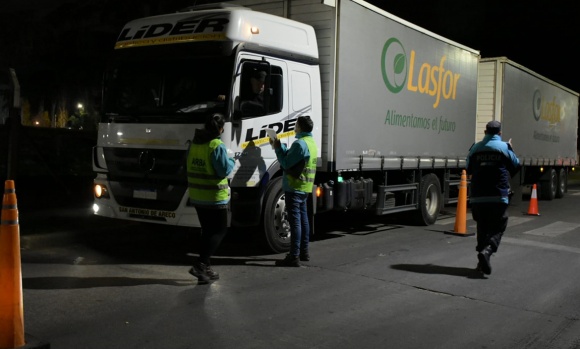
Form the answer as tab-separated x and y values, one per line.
460	228
533	208
11	307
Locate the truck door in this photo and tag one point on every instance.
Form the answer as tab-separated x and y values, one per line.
259	102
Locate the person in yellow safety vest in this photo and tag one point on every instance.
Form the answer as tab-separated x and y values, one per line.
299	164
208	166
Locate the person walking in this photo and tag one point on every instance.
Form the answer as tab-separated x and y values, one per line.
490	164
207	169
299	165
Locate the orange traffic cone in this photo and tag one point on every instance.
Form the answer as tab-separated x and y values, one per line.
461	216
533	208
11	306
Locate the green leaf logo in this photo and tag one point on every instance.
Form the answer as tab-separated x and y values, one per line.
394	65
399	63
537	105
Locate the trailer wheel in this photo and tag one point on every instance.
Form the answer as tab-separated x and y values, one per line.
430	200
276	229
562	183
549	187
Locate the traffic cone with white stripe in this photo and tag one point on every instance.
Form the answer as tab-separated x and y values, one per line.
11	306
533	208
461	215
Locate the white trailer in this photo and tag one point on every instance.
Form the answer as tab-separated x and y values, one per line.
539	115
393	107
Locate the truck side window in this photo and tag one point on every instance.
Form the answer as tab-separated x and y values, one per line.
261	90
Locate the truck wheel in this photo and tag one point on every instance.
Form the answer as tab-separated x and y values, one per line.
562	183
276	228
549	187
430	200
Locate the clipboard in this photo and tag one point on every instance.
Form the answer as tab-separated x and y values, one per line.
271	133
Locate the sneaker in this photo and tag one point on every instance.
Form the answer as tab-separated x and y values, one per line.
304	256
213	275
199	270
484	264
289	261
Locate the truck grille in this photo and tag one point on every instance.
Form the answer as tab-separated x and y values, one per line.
158	171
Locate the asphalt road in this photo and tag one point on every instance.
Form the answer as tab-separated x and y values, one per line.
372	283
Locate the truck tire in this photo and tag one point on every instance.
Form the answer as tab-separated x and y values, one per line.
549	187
430	200
276	229
562	183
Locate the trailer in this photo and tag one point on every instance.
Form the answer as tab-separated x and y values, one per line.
393	107
541	118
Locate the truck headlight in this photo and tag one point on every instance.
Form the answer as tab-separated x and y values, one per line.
101	191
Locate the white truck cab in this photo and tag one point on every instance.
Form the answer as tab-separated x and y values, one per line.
167	74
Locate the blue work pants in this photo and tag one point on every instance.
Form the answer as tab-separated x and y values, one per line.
296	207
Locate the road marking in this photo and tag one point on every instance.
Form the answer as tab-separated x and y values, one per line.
553	229
540	245
511	222
514	220
446	221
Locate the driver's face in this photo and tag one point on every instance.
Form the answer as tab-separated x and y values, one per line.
257	85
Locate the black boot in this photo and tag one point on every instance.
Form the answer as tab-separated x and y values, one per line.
484	264
199	270
289	261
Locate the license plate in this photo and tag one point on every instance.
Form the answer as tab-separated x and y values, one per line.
145	194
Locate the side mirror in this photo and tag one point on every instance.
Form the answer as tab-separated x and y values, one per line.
237	117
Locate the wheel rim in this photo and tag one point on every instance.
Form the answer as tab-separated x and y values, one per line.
281	224
562	182
431	200
554	183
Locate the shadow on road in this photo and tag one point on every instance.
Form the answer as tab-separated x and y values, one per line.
67	283
439	269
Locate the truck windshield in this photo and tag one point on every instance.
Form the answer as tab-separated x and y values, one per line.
161	85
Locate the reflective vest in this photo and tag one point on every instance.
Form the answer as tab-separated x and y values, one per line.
203	183
305	181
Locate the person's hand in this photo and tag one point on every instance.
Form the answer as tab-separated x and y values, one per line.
233	155
275	143
221	97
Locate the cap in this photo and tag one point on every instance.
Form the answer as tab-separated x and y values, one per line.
259	75
493	127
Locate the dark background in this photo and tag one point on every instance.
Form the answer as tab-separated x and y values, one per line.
59	47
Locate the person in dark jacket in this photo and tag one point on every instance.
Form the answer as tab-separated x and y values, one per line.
491	163
208	166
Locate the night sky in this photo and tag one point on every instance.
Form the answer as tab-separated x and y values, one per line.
540	35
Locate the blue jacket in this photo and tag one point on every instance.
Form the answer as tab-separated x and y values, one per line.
293	157
491	163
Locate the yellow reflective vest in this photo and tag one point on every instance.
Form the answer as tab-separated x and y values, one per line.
305	181
203	183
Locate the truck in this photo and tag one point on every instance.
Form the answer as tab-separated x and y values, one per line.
541	118
393	106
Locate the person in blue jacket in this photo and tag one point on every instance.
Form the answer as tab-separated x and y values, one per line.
299	165
491	163
208	166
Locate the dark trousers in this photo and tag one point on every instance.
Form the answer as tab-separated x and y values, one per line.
492	219
214	226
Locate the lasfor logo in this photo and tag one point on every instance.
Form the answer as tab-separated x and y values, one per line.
399	71
550	111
